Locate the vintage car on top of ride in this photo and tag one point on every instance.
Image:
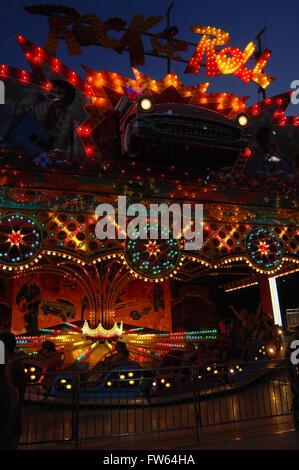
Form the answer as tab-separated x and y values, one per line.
164	132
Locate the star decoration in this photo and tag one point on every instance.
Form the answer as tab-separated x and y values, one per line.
263	248
153	248
15	239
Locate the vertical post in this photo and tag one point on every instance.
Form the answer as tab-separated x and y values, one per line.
2	353
269	298
196	405
168	26
259	53
75	409
2	92
295	393
275	301
265	295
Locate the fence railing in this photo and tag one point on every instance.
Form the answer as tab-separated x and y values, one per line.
134	401
292	317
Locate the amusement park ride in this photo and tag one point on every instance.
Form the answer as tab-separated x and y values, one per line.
151	141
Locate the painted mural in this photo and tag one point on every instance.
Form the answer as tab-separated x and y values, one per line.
42	300
145	304
193	308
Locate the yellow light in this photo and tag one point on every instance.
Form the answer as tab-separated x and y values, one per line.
209	368
131	382
68	386
100	331
32	369
146	104
199	377
109	384
122	377
162	381
215	371
130	374
168	385
63	381
25	370
32	377
243	120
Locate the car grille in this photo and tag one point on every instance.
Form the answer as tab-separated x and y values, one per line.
197	128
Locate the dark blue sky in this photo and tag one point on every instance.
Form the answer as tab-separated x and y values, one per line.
242	19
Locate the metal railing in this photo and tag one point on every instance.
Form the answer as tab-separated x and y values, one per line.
75	408
292	317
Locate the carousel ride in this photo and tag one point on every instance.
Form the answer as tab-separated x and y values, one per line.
149	142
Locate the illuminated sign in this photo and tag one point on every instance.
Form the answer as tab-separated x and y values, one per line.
221	63
85	30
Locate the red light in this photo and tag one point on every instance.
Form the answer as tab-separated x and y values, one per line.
247	152
15	238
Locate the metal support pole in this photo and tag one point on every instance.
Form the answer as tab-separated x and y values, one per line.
168	27
259	52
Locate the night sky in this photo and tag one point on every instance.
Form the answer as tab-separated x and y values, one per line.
243	20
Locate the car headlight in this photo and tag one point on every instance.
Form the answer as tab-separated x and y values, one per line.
243	120
146	104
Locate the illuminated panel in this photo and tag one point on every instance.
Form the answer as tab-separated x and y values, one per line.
275	301
280	102
168	87
100	332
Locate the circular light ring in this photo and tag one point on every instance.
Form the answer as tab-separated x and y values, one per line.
264	249
146	103
20	240
153	259
243	120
